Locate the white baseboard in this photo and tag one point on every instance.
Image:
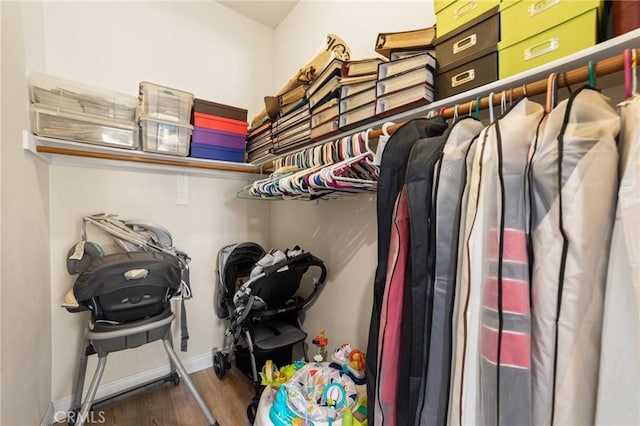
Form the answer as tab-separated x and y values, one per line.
63	405
47	419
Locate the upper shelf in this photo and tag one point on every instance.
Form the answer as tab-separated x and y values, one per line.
596	53
63	152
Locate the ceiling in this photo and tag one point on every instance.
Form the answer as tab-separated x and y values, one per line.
267	12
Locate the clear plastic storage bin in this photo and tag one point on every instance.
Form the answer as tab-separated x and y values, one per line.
165	137
59	124
78	98
164	103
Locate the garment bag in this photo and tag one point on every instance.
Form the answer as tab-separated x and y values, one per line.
391	314
449	184
392	174
573	189
418	294
481	361
505	317
619	384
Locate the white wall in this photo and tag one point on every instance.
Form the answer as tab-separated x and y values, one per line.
358	22
200	47
342	232
25	293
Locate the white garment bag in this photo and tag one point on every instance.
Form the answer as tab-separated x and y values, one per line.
619	384
573	187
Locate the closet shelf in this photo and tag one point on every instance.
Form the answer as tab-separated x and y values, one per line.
63	152
596	53
56	151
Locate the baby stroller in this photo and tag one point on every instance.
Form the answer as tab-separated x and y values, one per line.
257	294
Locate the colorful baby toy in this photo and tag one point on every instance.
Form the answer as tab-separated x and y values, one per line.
321	342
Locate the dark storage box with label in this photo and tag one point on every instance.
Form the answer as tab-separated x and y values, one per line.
467	57
467	76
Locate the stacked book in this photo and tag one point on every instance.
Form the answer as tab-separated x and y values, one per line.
323	94
291	130
260	143
404	84
401	44
219	131
358	92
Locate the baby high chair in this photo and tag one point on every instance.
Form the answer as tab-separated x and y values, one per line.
128	295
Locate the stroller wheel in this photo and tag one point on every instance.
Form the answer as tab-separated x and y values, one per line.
219	364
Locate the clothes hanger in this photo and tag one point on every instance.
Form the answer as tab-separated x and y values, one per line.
491	117
470	108
339	175
634	72
550	101
455	114
628	87
592	75
478	107
503	102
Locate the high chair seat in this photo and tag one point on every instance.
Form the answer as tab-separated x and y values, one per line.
277	334
128	295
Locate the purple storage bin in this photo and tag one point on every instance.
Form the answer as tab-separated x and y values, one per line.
213	152
218	138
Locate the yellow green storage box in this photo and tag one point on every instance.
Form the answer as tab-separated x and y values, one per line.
569	37
459	12
438	5
521	19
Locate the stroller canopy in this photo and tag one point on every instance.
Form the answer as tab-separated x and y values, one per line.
234	262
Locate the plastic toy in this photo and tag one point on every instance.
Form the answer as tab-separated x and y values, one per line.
321	342
273	377
350	361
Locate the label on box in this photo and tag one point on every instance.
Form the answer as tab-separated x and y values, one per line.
168	138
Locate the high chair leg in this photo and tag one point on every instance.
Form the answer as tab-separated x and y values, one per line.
184	376
91	393
82	371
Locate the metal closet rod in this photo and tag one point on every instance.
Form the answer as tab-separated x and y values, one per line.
575	76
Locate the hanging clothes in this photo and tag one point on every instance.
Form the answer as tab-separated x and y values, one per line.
449	184
465	341
418	295
480	325
505	317
619	383
573	185
392	176
391	315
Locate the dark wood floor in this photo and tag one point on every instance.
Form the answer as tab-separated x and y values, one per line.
170	405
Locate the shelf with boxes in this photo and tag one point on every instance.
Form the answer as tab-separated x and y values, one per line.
563	64
71	119
479	41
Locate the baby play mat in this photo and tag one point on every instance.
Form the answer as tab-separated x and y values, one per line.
316	394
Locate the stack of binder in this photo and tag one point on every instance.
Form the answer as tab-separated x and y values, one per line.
291	130
404	84
323	96
219	131
260	143
357	92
